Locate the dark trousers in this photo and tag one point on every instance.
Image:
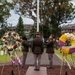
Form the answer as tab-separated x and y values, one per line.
50	57
37	60
24	58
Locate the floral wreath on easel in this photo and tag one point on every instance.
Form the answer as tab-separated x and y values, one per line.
11	42
67	50
62	41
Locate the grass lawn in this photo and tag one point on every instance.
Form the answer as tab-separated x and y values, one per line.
68	55
6	58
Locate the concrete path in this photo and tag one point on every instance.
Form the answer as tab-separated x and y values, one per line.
44	59
31	71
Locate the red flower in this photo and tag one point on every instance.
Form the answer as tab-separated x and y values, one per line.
14	34
9	33
10	49
4	37
6	42
15	46
19	40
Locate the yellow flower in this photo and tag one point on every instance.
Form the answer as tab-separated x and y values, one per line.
72	42
65	50
63	38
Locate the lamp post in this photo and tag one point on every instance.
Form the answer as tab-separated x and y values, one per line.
37	15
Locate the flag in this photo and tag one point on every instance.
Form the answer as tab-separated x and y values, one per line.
16	59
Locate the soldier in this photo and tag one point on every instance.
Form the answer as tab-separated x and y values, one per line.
50	51
37	49
25	49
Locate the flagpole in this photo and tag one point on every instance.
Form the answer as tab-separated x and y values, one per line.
37	15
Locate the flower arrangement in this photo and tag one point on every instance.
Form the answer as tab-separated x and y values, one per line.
62	40
11	39
11	42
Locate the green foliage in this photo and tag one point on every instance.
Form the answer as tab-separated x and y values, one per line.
46	31
53	12
3	29
57	12
4	10
20	27
58	31
68	43
4	14
1	42
33	32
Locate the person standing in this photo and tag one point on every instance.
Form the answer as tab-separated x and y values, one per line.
50	51
37	49
25	49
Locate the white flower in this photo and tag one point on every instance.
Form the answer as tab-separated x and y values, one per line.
70	36
10	46
67	34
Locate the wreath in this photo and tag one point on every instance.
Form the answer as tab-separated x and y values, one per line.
11	44
62	41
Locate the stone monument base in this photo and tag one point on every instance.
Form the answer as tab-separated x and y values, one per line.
31	71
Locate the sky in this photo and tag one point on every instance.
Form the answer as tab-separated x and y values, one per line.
13	19
73	1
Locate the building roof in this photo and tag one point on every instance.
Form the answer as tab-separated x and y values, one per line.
69	26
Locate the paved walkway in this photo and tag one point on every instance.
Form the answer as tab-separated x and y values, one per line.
44	59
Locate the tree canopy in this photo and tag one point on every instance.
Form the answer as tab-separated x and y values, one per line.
52	12
5	8
20	27
57	12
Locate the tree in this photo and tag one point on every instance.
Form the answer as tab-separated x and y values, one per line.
57	12
33	32
4	14
20	27
46	31
3	29
52	12
23	6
